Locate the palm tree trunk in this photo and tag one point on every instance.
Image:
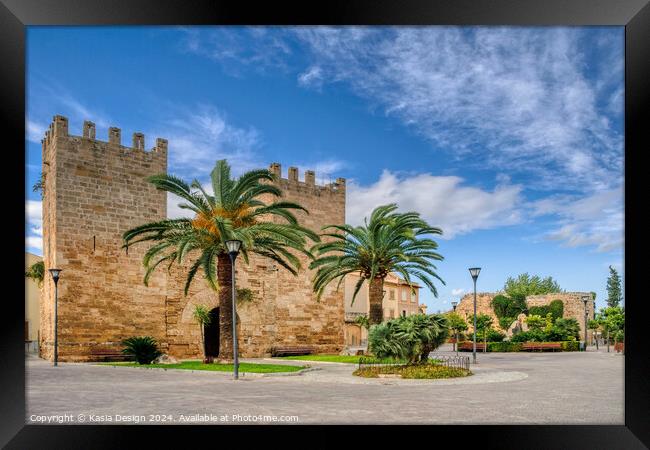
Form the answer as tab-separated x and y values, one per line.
224	274
375	300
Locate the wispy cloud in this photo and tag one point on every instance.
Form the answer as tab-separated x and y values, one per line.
230	46
595	220
198	138
514	98
33	217
458	292
540	104
444	201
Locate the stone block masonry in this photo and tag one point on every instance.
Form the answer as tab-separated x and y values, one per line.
572	301
94	191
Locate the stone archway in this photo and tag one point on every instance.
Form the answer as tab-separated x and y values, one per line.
211	334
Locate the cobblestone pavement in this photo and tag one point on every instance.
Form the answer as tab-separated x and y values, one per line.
506	388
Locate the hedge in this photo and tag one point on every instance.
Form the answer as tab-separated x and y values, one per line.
508	346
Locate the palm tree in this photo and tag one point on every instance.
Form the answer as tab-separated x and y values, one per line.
236	210
389	242
201	316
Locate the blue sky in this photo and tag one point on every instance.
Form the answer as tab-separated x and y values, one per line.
509	139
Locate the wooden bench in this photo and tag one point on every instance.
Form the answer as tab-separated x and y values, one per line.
469	346
291	351
541	346
108	355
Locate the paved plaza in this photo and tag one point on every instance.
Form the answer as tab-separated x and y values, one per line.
506	388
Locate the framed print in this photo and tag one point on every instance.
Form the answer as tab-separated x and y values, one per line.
326	214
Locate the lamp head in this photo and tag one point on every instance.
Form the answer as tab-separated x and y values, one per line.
454	304
233	247
55	274
474	271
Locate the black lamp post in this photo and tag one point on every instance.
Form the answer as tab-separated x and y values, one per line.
55	276
474	271
454	304
585	300
233	247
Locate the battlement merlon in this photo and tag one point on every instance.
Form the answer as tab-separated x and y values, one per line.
59	127
293	176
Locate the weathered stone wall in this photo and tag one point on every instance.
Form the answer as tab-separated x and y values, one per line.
573	306
284	310
94	191
465	308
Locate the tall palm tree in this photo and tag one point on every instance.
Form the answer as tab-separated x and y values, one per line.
236	210
389	242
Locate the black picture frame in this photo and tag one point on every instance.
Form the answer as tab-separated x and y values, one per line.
634	15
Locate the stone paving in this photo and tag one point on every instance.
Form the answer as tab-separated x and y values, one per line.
506	388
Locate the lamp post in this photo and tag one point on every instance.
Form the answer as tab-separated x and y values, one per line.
454	304
55	276
233	247
474	271
586	299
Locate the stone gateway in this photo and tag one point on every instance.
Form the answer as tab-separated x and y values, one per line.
94	191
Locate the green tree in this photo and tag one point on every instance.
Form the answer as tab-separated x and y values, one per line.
388	242
565	330
525	285
36	272
612	319
614	293
594	325
201	315
235	211
483	324
456	325
535	322
362	321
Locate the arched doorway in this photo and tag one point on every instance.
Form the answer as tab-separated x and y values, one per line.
211	334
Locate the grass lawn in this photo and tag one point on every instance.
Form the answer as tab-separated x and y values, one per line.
353	359
198	365
418	371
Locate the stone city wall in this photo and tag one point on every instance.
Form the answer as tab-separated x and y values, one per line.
94	191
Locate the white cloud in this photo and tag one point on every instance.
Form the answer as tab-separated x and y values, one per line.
513	98
35	243
311	77
442	200
35	131
458	292
198	138
594	220
33	216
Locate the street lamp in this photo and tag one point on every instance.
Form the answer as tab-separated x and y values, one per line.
474	271
55	276
454	304
233	247
586	299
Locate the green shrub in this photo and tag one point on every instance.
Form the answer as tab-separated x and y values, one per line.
143	348
529	336
555	308
505	322
504	346
411	337
495	335
570	346
508	306
564	330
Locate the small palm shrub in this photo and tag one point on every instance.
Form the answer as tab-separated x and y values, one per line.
143	348
411	337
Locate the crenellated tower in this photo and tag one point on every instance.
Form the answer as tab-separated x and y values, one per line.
95	190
